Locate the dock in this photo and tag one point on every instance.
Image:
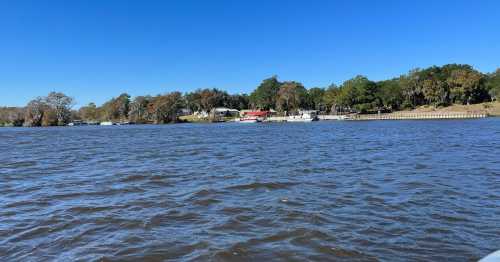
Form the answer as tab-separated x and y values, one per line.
419	116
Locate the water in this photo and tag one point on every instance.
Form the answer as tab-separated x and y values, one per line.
382	190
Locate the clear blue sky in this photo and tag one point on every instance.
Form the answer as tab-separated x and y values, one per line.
94	50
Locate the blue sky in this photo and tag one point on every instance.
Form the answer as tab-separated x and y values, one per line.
93	50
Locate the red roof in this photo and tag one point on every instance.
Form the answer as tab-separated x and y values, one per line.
257	113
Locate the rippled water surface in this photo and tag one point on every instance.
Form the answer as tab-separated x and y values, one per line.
382	190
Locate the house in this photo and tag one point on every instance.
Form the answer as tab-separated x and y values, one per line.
185	112
225	112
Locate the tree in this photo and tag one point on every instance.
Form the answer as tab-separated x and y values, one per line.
467	86
330	98
359	93
34	112
212	98
411	85
117	108
390	94
193	101
123	105
291	96
139	109
165	108
11	116
315	98
89	112
238	101
493	85
264	97
50	118
436	92
61	105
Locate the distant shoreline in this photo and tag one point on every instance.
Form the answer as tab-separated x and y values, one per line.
488	109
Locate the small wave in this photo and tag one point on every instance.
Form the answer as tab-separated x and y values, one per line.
259	185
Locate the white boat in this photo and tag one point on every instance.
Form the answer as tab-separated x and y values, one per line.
107	123
298	119
249	119
303	116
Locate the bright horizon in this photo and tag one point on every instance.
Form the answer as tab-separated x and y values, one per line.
95	50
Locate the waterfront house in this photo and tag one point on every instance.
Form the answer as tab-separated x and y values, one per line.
225	112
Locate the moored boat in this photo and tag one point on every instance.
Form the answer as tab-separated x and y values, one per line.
303	116
253	117
250	119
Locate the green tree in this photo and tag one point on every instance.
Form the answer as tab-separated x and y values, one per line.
331	97
264	97
390	93
411	85
493	85
291	97
116	109
139	109
238	101
315	99
359	93
34	112
165	108
89	112
467	86
60	106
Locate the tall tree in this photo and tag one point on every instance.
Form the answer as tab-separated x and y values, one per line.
467	86
264	97
315	98
61	105
34	112
165	108
291	97
493	85
330	98
139	109
390	93
89	112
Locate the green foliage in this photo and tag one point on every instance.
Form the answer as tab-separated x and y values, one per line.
438	86
116	109
264	97
330	98
315	99
390	93
493	85
164	108
291	96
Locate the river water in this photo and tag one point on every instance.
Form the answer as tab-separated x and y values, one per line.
363	191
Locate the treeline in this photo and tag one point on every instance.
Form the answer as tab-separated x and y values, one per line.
437	86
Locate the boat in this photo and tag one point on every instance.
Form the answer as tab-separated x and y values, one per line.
77	123
107	123
253	117
249	119
303	116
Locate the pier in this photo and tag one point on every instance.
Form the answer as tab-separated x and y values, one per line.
419	116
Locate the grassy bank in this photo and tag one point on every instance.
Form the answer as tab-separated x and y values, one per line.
490	108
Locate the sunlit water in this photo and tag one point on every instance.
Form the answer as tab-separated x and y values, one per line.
382	190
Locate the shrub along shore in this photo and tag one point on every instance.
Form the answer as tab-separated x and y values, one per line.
449	86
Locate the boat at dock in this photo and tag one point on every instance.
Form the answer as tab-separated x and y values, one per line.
303	116
253	117
249	119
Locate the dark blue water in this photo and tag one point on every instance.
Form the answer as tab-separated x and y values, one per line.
382	190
